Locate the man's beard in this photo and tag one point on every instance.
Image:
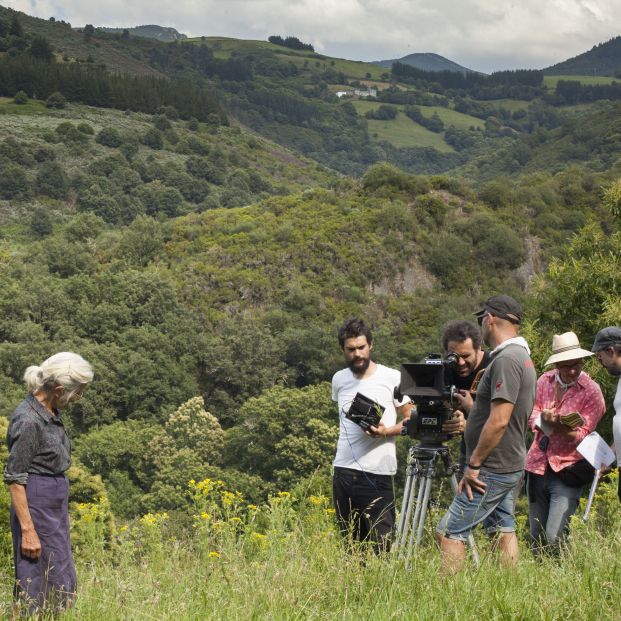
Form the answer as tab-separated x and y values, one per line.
359	369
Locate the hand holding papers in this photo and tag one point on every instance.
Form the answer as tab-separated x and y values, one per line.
598	454
595	450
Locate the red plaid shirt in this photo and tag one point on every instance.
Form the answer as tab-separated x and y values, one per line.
585	397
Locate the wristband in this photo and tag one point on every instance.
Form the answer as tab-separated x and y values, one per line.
473	467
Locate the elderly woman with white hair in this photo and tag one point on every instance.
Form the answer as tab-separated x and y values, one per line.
39	455
568	406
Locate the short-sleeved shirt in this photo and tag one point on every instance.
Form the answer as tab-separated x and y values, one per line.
585	397
37	441
355	449
511	377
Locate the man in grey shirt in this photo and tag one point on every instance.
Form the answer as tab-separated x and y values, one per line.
495	439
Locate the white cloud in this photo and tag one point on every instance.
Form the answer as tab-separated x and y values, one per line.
479	34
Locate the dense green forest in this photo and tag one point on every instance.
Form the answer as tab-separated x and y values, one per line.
197	218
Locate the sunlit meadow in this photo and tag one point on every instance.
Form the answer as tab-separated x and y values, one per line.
285	560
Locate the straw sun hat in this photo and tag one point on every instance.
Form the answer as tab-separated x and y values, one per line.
566	347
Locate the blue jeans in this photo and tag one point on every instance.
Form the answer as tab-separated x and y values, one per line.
550	505
494	507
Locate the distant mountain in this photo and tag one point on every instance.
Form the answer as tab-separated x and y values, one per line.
427	62
602	59
151	31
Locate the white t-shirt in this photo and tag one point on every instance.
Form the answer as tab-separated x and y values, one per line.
355	449
616	423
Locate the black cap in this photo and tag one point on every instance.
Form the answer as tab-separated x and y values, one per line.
502	306
607	337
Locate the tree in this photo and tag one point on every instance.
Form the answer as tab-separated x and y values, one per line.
41	222
51	180
142	241
56	100
284	434
21	97
153	138
109	137
41	49
13	182
88	32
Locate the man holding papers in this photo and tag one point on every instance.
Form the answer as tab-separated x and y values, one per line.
607	348
568	406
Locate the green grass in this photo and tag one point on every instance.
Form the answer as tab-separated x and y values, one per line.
285	560
223	47
510	104
32	106
403	132
551	80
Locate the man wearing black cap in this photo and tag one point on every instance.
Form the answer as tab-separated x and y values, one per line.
495	439
607	349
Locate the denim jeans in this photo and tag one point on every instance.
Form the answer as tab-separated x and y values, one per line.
365	506
494	507
550	505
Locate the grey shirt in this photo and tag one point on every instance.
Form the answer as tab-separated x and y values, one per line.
511	377
37	441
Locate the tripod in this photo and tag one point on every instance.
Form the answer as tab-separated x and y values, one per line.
419	475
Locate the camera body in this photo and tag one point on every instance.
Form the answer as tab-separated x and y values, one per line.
364	412
427	383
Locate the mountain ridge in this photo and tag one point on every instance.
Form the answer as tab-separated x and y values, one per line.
428	61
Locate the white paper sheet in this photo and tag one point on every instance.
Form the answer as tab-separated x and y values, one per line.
546	428
596	451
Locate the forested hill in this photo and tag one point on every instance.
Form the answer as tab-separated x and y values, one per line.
427	61
603	59
343	114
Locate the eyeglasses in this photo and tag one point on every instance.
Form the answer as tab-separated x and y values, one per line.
480	319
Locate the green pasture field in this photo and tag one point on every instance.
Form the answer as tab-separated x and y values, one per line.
403	132
223	47
510	104
448	116
551	80
32	106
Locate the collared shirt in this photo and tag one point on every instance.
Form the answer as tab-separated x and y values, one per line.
37	441
584	397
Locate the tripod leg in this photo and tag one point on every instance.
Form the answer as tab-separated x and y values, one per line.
471	543
423	512
409	494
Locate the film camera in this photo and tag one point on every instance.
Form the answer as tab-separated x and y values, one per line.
427	383
364	412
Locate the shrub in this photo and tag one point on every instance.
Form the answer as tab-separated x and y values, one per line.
21	97
41	222
56	100
153	138
13	182
85	128
109	137
51	180
161	122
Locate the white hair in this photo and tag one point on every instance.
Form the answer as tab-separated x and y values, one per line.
65	369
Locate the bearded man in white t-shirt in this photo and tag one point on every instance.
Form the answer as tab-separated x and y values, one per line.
366	460
607	348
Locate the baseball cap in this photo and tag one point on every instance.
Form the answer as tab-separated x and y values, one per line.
502	306
607	337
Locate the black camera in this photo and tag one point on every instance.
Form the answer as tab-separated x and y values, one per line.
364	412
427	383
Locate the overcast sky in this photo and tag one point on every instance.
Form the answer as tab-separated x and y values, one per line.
485	35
